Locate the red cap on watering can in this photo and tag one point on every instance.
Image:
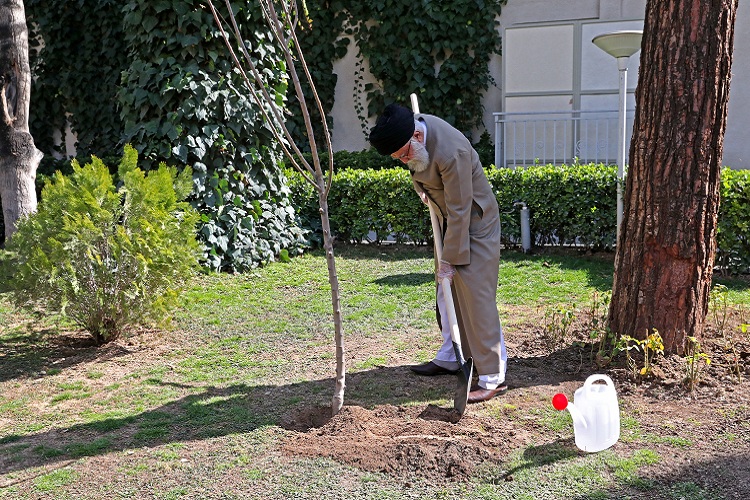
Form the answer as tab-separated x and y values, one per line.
560	401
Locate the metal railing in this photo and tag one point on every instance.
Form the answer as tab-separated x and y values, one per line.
558	137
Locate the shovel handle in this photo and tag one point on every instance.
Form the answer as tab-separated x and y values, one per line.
453	321
414	103
436	231
450	308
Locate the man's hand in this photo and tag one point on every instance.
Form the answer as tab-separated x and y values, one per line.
423	197
445	270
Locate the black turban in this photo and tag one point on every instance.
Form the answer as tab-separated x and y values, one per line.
393	129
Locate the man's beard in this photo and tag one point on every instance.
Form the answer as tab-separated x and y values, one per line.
420	158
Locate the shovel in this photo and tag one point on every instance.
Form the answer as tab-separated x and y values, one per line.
466	367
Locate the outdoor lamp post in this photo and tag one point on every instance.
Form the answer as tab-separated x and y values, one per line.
620	45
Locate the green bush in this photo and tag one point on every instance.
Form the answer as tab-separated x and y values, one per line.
733	230
360	201
568	205
108	258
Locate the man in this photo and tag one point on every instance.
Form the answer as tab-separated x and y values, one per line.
446	170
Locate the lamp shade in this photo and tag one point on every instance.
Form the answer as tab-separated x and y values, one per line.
619	43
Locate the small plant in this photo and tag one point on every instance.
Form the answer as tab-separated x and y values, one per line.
695	362
719	302
652	346
607	347
556	327
603	339
107	258
625	344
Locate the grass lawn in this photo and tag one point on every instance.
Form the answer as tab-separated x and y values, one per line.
208	408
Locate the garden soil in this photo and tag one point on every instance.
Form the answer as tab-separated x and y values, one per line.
701	435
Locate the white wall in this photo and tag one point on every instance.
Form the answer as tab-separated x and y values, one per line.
347	127
736	143
598	71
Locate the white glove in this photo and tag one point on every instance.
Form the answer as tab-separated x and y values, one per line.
445	270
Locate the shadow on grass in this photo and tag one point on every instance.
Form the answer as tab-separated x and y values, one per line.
724	476
537	456
220	411
41	352
599	268
720	477
386	252
214	412
407	279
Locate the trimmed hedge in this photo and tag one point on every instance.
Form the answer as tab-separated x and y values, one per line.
363	201
733	242
568	205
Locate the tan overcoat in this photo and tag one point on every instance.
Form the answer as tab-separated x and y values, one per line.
455	181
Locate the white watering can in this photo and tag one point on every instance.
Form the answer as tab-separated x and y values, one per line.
595	412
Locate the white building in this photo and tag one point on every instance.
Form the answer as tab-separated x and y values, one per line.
549	64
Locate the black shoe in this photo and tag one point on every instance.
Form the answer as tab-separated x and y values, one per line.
430	369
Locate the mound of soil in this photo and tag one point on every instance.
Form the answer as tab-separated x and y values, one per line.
436	444
427	442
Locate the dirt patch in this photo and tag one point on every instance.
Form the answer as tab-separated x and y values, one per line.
691	430
427	442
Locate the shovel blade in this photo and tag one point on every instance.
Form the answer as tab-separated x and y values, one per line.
463	385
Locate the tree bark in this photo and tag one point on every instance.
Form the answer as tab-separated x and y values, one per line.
665	254
19	157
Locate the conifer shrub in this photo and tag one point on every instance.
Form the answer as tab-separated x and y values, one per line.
108	256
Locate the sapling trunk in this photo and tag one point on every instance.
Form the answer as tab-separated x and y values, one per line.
283	30
338	393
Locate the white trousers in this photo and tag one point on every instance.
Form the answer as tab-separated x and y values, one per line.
446	356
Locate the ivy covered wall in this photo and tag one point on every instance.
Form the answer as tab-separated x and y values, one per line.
76	61
183	102
441	50
156	75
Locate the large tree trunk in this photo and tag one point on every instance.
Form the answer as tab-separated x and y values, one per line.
19	158
665	254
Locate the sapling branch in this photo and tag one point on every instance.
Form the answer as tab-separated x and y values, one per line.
278	121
